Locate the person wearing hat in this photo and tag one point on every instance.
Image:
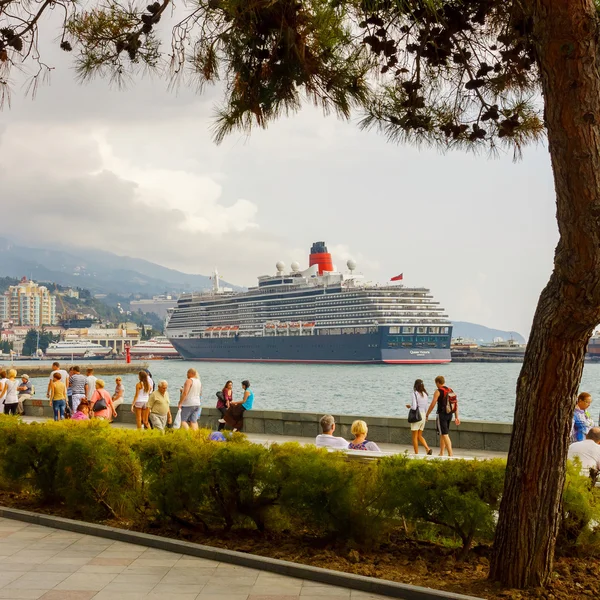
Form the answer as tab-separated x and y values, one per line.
25	392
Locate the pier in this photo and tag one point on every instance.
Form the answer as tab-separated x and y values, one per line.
101	367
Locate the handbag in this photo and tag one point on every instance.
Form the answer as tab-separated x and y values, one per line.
100	404
414	414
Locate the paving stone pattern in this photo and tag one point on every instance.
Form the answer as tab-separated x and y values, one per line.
49	564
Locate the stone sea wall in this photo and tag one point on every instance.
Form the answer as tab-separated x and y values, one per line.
470	435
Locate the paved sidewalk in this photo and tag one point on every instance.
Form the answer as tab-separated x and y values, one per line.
50	564
261	438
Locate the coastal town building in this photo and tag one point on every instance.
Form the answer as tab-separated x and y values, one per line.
16	334
28	304
70	293
117	338
158	305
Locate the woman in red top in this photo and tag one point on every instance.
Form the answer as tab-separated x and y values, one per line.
223	401
103	399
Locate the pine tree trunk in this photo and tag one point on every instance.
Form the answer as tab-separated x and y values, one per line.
566	33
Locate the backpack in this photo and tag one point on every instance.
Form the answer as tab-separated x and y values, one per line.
451	400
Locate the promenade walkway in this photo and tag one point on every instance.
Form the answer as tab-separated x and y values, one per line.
267	439
42	563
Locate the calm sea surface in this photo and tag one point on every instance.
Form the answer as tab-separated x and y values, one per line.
485	391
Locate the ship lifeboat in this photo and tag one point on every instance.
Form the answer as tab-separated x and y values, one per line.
270	325
308	325
282	326
208	329
294	325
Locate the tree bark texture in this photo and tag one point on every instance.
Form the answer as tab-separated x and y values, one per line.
566	34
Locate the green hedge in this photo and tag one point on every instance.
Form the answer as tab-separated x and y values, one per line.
94	472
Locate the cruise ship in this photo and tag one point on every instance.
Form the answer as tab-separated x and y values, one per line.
157	347
316	315
77	349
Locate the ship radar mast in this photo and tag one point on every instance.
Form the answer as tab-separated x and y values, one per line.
215	278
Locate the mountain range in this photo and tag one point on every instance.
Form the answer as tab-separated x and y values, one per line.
96	270
103	272
481	333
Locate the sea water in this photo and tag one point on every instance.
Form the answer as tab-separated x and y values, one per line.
486	391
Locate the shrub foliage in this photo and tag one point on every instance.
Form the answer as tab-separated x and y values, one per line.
95	472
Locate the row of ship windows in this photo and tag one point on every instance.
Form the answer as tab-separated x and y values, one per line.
365	322
347	330
311	302
421	330
310	311
409	318
419	338
293	295
321	300
438	344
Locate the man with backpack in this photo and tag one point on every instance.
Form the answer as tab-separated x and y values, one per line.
447	405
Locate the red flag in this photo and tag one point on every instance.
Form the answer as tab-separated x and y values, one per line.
398	277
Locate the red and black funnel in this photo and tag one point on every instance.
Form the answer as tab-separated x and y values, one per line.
320	256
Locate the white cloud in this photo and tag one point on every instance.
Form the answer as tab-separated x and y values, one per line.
195	195
136	172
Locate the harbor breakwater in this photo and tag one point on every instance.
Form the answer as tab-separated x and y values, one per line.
101	367
470	435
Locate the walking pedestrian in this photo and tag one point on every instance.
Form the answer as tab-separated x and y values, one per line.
582	420
77	382
11	399
64	376
90	384
101	403
158	404
140	401
224	399
443	399
150	379
420	402
190	402
58	396
234	417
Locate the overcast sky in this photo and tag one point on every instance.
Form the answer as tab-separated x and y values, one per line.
136	172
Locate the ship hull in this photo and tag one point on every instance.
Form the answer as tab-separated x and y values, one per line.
334	349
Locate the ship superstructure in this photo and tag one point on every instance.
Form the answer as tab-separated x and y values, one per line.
312	315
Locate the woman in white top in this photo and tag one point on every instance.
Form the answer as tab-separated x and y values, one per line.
11	397
140	401
189	402
420	401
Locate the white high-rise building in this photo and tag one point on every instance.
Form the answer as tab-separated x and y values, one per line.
28	304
